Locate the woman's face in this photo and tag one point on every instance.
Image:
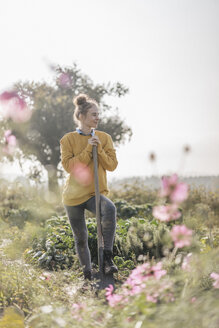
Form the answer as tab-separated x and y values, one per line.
92	117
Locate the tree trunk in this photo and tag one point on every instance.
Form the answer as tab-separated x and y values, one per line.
53	185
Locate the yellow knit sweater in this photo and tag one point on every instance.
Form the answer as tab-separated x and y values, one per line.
75	148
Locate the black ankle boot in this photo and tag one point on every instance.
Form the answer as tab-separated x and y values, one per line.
108	264
87	275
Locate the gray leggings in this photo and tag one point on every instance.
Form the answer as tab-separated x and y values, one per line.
79	228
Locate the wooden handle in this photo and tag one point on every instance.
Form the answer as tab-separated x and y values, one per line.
97	201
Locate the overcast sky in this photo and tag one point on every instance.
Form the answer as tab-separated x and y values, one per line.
165	51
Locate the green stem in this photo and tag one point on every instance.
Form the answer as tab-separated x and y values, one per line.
184	288
173	254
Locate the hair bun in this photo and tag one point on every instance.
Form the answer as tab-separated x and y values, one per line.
80	99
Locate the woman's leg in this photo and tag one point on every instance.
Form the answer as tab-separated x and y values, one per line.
79	229
108	225
108	219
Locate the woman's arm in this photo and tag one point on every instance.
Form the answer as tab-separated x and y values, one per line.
107	155
67	157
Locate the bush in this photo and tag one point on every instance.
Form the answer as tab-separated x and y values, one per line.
55	247
20	204
135	192
200	196
138	236
126	210
19	286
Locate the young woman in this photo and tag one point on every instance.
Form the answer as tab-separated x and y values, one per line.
79	190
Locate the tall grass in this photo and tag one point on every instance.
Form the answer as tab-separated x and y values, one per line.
31	296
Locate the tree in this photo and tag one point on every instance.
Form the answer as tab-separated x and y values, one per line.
52	116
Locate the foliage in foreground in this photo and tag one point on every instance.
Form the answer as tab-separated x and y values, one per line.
188	292
41	299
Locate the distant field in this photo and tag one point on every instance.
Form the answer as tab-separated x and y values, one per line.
209	182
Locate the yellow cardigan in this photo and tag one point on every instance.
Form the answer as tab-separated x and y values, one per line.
75	148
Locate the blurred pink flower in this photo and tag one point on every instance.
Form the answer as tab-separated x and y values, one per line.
166	213
186	262
7	95
193	300
82	174
10	143
176	191
144	279
65	80
215	276
14	107
137	280
158	272
139	274
151	298
109	290
113	299
77	306
136	289
45	276
169	297
181	235
77	309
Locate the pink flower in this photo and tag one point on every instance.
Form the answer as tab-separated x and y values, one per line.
138	278
65	80
77	306
151	298
137	289
82	174
158	272
144	279
169	297
193	300
77	310
176	191
113	299
14	107
139	274
180	193
10	143
186	262
181	235
45	276
7	95
215	276
166	213
109	290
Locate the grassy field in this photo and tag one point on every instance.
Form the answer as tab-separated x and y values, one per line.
158	284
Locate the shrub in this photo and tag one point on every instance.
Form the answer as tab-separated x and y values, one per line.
126	210
135	192
55	247
138	236
20	204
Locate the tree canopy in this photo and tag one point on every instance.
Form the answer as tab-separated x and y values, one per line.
52	115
